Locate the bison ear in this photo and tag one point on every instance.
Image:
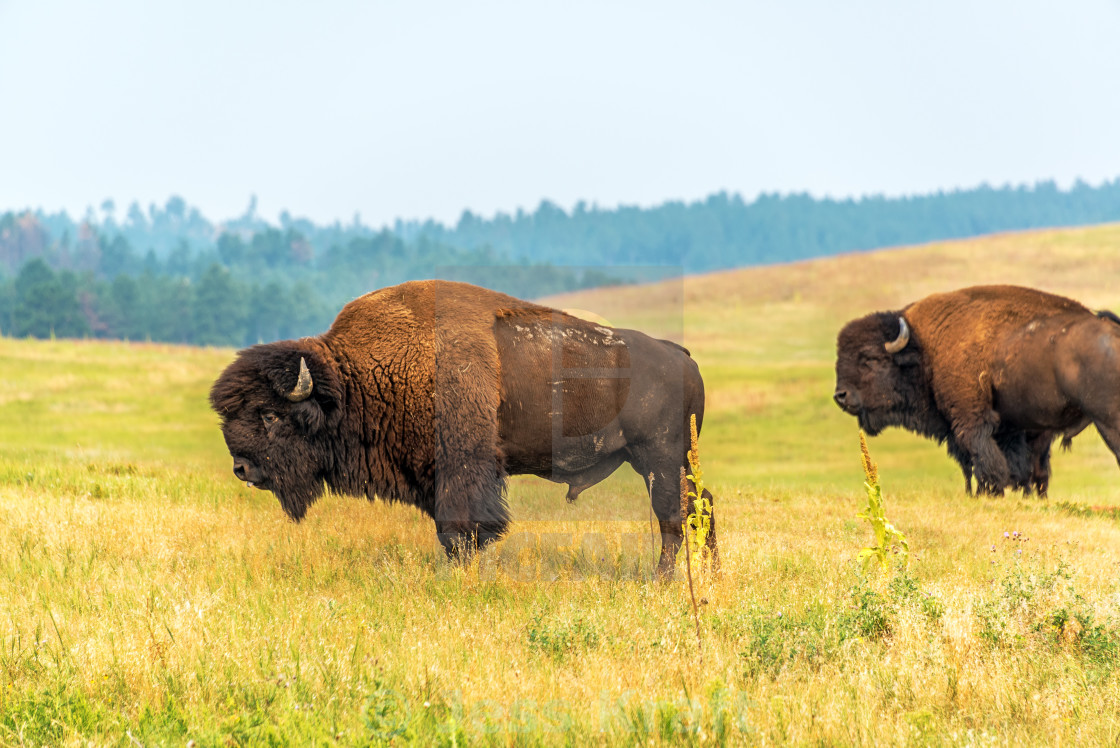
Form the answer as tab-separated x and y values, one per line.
909	357
317	410
307	380
309	416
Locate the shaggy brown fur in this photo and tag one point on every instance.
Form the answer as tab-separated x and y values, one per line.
432	392
996	371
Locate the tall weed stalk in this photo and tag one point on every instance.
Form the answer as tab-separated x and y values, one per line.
698	546
887	537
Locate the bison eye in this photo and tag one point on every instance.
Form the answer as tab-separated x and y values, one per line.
269	418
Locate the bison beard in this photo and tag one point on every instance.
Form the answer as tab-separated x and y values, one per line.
431	392
994	372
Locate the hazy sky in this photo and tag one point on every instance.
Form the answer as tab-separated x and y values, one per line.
420	109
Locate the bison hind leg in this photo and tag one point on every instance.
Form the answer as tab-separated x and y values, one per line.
1110	432
1041	444
662	474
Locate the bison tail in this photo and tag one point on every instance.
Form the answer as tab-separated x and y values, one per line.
679	347
1110	316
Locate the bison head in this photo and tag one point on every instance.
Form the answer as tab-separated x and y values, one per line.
278	404
879	377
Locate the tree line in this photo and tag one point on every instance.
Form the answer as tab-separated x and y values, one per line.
248	287
167	273
724	230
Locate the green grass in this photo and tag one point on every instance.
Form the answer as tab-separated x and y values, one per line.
148	597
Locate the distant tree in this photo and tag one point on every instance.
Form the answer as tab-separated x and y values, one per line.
36	290
151	263
300	251
270	314
86	255
267	249
166	309
307	313
231	249
136	218
7	305
46	303
179	261
21	238
251	211
121	309
179	305
117	257
219	308
176	208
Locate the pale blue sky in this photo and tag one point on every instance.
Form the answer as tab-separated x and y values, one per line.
423	108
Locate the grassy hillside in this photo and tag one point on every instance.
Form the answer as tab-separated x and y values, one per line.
765	339
147	597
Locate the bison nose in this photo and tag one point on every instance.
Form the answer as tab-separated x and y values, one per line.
241	469
841	397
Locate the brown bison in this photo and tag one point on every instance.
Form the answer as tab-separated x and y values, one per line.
997	372
432	392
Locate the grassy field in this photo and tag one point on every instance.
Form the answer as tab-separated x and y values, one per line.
148	598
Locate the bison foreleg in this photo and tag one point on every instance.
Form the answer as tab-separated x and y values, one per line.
993	474
964	460
470	508
1019	451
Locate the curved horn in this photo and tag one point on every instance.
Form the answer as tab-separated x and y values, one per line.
903	338
304	384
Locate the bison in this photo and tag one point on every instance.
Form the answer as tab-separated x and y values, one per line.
432	392
997	372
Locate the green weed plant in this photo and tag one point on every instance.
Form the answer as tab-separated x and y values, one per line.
887	537
698	534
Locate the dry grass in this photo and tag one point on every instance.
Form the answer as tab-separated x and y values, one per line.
146	596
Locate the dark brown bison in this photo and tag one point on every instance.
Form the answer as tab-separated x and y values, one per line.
996	372
432	392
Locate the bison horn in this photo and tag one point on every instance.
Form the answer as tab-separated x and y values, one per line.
303	386
903	338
